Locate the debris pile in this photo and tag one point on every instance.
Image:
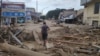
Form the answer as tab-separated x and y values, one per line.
79	42
63	42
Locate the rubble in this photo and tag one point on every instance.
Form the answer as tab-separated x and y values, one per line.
19	51
63	41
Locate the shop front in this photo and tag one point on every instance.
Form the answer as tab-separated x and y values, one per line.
13	12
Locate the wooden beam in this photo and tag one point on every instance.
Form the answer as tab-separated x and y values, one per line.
84	51
14	37
36	37
19	32
71	37
19	51
67	42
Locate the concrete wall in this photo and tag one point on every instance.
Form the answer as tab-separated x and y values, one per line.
89	15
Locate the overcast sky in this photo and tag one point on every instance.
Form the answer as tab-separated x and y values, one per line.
51	4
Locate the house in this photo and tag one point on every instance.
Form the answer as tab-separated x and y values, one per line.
91	12
79	16
68	15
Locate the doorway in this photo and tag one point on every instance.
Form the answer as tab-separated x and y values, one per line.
95	23
13	21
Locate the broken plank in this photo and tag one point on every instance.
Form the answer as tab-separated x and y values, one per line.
15	38
71	37
96	46
36	37
84	51
19	32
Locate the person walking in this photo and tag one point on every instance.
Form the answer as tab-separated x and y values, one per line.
44	32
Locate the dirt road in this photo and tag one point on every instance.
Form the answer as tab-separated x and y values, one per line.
37	27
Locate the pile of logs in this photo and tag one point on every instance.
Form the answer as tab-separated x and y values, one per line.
7	35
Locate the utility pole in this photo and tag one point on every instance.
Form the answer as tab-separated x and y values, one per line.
37	5
0	13
44	9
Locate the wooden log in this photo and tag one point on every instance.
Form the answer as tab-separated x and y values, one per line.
36	37
71	37
62	52
84	51
15	38
96	46
40	35
19	51
16	34
18	41
72	42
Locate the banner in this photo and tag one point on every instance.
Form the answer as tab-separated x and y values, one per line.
13	6
13	14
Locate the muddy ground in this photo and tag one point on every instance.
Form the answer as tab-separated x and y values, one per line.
63	40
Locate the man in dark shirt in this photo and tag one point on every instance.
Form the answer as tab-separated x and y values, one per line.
44	32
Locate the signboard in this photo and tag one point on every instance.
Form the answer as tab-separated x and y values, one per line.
13	9
13	6
12	14
0	4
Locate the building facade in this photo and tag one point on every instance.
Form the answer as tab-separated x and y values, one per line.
91	12
68	15
79	16
13	12
29	13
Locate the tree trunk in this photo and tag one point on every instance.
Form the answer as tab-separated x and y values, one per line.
19	51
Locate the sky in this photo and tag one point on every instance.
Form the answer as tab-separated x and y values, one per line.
46	5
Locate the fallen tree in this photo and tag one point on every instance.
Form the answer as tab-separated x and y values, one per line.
19	51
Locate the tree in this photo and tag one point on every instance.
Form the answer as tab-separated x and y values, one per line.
43	17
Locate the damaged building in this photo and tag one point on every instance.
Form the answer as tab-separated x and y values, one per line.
91	12
68	15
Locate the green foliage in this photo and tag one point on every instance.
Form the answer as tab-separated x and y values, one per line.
43	17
